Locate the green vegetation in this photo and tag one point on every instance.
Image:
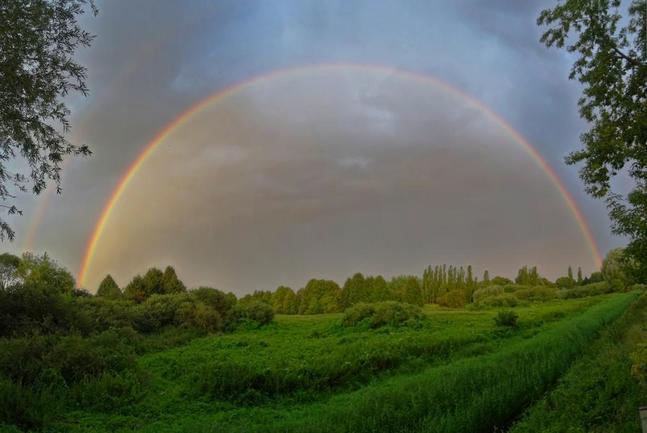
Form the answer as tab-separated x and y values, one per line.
608	39
506	318
160	357
383	313
599	394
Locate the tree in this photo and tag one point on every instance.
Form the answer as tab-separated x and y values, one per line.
8	270
565	282
612	67
406	288
171	283
135	290
109	288
617	268
570	273
38	40
319	296
355	290
486	277
43	273
579	276
284	300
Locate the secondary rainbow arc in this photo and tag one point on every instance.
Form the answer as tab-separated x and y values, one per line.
180	120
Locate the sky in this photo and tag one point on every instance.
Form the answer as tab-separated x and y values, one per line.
319	172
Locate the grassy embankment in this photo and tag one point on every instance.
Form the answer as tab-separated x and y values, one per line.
598	394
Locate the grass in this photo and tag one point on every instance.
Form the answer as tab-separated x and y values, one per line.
455	372
598	394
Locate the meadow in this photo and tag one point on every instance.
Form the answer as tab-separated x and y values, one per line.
455	371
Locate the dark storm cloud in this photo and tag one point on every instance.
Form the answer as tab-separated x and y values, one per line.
153	59
329	172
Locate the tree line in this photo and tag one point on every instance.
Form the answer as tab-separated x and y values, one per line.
446	285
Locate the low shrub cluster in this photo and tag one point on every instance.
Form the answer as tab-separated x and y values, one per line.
506	318
380	314
512	295
591	289
256	313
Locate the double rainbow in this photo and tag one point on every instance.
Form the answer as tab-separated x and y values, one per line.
184	117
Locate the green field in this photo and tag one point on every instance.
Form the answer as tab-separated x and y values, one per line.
456	371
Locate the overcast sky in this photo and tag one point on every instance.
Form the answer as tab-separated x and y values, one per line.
318	174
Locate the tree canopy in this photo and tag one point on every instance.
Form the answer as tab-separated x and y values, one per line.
611	47
38	40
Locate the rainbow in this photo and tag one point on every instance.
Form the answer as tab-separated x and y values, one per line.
185	116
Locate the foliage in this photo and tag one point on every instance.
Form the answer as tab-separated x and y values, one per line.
618	269
38	41
612	66
528	276
500	281
639	362
591	289
319	296
506	318
109	288
536	294
382	313
406	288
259	312
153	282
284	300
501	300
565	282
486	292
8	270
43	273
452	299
440	280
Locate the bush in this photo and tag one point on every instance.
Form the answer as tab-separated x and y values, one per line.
382	313
506	318
502	300
639	363
592	289
259	312
511	288
486	292
452	299
536	294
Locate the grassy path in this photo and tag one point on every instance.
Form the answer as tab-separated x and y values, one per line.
598	394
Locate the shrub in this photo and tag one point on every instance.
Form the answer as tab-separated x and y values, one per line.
382	313
254	311
511	288
452	299
536	294
565	282
502	300
506	318
487	292
591	289
639	363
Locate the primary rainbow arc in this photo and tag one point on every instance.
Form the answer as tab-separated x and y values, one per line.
180	120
